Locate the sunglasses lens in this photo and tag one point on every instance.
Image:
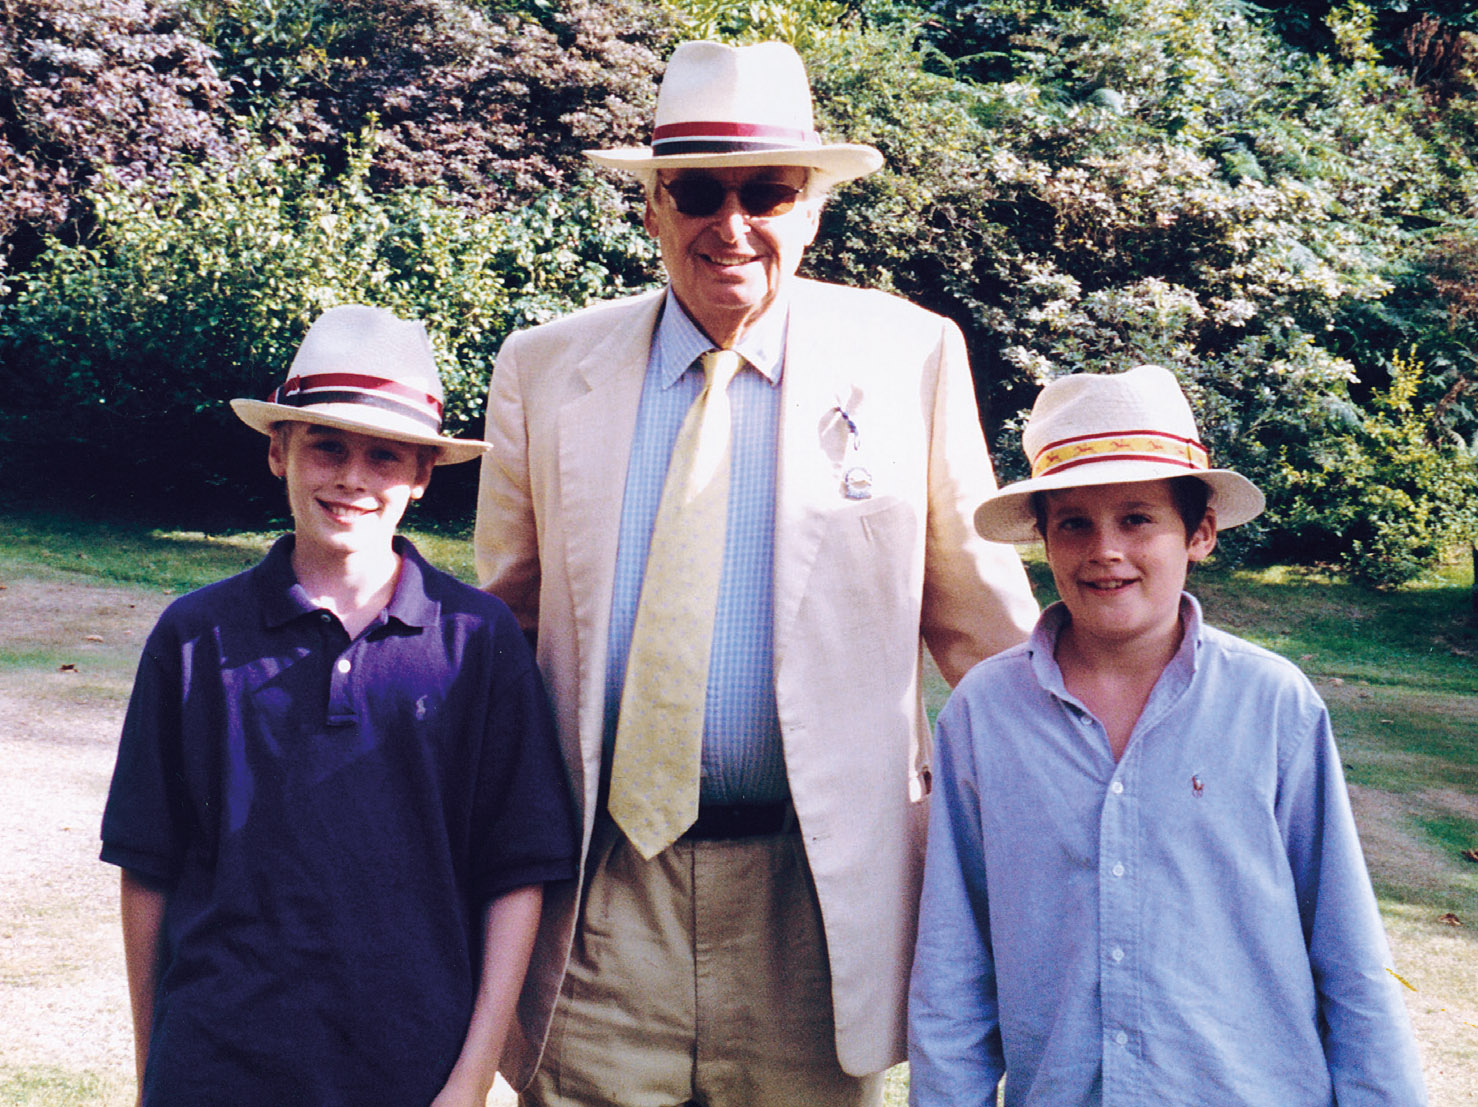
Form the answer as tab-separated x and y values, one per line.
703	196
761	198
695	195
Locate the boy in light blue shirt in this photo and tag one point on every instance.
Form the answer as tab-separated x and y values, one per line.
1143	883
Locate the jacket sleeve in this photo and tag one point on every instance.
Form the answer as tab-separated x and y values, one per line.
977	600
505	542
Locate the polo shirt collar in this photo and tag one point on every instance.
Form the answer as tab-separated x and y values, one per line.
679	341
283	599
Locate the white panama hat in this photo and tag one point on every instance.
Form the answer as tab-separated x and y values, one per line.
738	105
364	369
1112	428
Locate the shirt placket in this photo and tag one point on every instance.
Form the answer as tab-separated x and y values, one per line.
1120	890
342	675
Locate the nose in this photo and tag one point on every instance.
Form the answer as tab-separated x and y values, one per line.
1103	545
730	218
352	470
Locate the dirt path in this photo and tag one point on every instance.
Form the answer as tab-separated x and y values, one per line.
67	656
62	996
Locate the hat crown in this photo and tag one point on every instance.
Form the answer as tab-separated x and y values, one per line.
739	106
372	342
1099	416
760	86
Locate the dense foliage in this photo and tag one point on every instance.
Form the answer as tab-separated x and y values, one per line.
91	83
1277	202
130	345
495	105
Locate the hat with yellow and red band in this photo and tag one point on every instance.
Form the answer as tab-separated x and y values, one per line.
364	369
1112	428
735	106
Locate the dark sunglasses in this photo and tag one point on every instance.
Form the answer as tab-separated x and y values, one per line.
702	196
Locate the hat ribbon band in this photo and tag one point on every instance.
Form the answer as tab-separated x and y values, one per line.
723	138
358	388
1168	449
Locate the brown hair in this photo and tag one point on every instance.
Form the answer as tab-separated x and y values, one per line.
1191	496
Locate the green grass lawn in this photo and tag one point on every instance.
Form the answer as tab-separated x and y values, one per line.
1397	670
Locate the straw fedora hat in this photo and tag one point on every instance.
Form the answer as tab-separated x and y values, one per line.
738	105
1112	428
363	369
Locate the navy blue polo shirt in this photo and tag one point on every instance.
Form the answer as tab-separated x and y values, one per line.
329	819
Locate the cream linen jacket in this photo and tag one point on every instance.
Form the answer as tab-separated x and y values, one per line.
858	583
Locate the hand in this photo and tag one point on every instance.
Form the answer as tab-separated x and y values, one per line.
460	1093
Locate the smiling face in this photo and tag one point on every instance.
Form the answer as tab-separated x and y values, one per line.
347	490
728	268
1119	555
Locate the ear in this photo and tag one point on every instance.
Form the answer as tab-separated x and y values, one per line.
277	451
425	463
649	219
1203	538
813	220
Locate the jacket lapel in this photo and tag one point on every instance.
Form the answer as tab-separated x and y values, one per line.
596	429
813	440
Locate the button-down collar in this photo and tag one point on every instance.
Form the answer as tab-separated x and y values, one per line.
680	342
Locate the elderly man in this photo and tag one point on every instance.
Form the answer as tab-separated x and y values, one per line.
730	510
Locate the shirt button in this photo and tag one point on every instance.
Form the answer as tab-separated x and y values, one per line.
1118	870
1117	787
325	617
343	666
1117	954
1121	1038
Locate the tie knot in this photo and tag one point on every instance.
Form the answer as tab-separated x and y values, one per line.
719	367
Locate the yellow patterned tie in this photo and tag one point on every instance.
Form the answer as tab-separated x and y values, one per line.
659	736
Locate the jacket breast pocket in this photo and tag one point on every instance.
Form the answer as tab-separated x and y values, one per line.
869	574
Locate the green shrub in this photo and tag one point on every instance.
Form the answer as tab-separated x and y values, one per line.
1382	499
118	356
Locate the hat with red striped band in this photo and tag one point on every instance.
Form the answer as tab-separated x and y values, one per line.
738	105
1112	428
366	370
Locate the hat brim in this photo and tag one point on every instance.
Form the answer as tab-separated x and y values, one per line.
262	415
836	162
1008	517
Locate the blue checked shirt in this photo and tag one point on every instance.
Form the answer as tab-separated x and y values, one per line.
1190	925
742	757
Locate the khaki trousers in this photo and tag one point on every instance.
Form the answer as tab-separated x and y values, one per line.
699	977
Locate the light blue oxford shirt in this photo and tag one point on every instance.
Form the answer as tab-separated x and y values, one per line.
1192	925
742	757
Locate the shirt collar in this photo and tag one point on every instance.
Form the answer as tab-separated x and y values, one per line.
1042	645
283	599
679	341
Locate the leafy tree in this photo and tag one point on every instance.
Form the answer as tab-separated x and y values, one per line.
802	23
1306	23
492	102
93	84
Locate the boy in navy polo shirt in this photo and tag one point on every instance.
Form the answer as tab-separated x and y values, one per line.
337	794
1143	883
